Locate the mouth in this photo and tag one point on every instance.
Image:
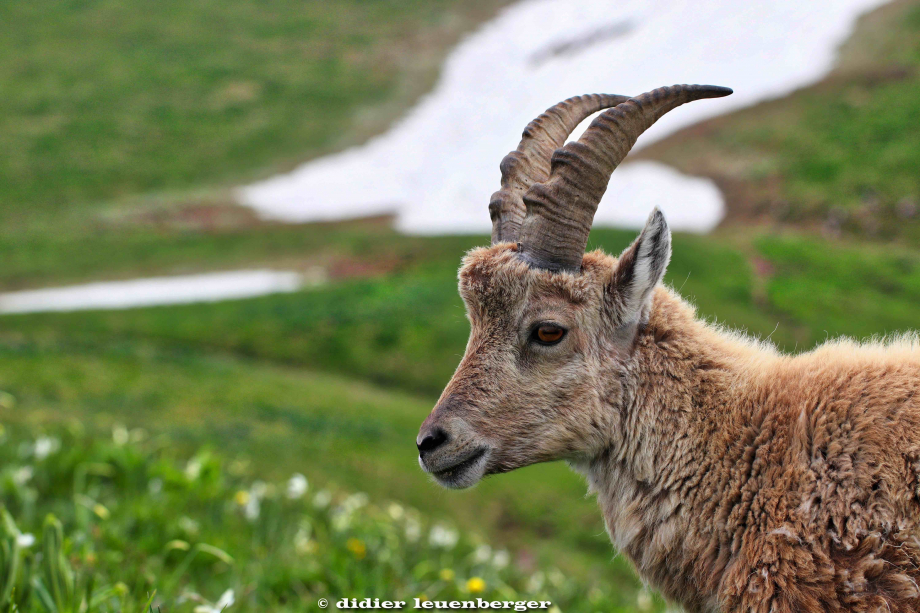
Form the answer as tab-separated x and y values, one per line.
464	473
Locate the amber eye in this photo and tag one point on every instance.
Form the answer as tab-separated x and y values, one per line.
548	334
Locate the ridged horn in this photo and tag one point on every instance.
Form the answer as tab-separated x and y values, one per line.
560	210
530	162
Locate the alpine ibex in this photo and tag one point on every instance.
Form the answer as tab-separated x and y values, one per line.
734	477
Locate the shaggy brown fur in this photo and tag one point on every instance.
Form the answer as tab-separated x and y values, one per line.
734	477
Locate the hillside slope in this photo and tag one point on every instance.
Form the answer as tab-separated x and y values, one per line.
840	156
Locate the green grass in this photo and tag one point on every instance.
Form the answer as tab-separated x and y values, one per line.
123	125
118	156
76	249
856	290
335	380
284	420
406	329
106	99
282	378
83	528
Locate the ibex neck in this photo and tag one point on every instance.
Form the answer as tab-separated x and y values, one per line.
654	482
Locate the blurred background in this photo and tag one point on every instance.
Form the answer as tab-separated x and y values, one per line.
229	236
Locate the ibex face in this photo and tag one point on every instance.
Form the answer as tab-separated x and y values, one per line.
548	356
552	328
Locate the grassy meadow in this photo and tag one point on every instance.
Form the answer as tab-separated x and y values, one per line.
174	419
107	99
83	529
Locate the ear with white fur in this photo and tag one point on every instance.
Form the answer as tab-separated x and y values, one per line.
641	266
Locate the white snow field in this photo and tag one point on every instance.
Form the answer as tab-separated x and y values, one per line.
436	168
153	291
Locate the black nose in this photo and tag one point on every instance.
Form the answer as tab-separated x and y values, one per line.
431	440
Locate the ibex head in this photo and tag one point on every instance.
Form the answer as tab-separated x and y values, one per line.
552	327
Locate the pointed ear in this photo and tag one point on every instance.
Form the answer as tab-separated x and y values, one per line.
640	267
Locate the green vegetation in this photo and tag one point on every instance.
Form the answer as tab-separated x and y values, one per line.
860	291
280	379
124	125
407	329
843	153
282	420
235	541
118	158
106	99
333	381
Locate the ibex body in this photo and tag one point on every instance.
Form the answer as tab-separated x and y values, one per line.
734	477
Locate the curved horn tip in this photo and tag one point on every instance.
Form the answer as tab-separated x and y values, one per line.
714	91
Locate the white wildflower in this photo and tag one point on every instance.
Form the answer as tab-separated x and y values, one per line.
413	530
341	519
25	540
501	559
193	469
226	600
536	581
355	502
441	536
45	446
252	508
155	486
395	511
322	499
22	475
120	435
188	525
482	554
297	486
302	542
258	489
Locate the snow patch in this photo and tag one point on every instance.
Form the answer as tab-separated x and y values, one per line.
436	168
153	291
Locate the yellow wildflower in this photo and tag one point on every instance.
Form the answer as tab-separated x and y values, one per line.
241	498
101	511
357	547
422	598
475	585
447	574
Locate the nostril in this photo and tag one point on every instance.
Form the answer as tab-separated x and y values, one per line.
432	440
